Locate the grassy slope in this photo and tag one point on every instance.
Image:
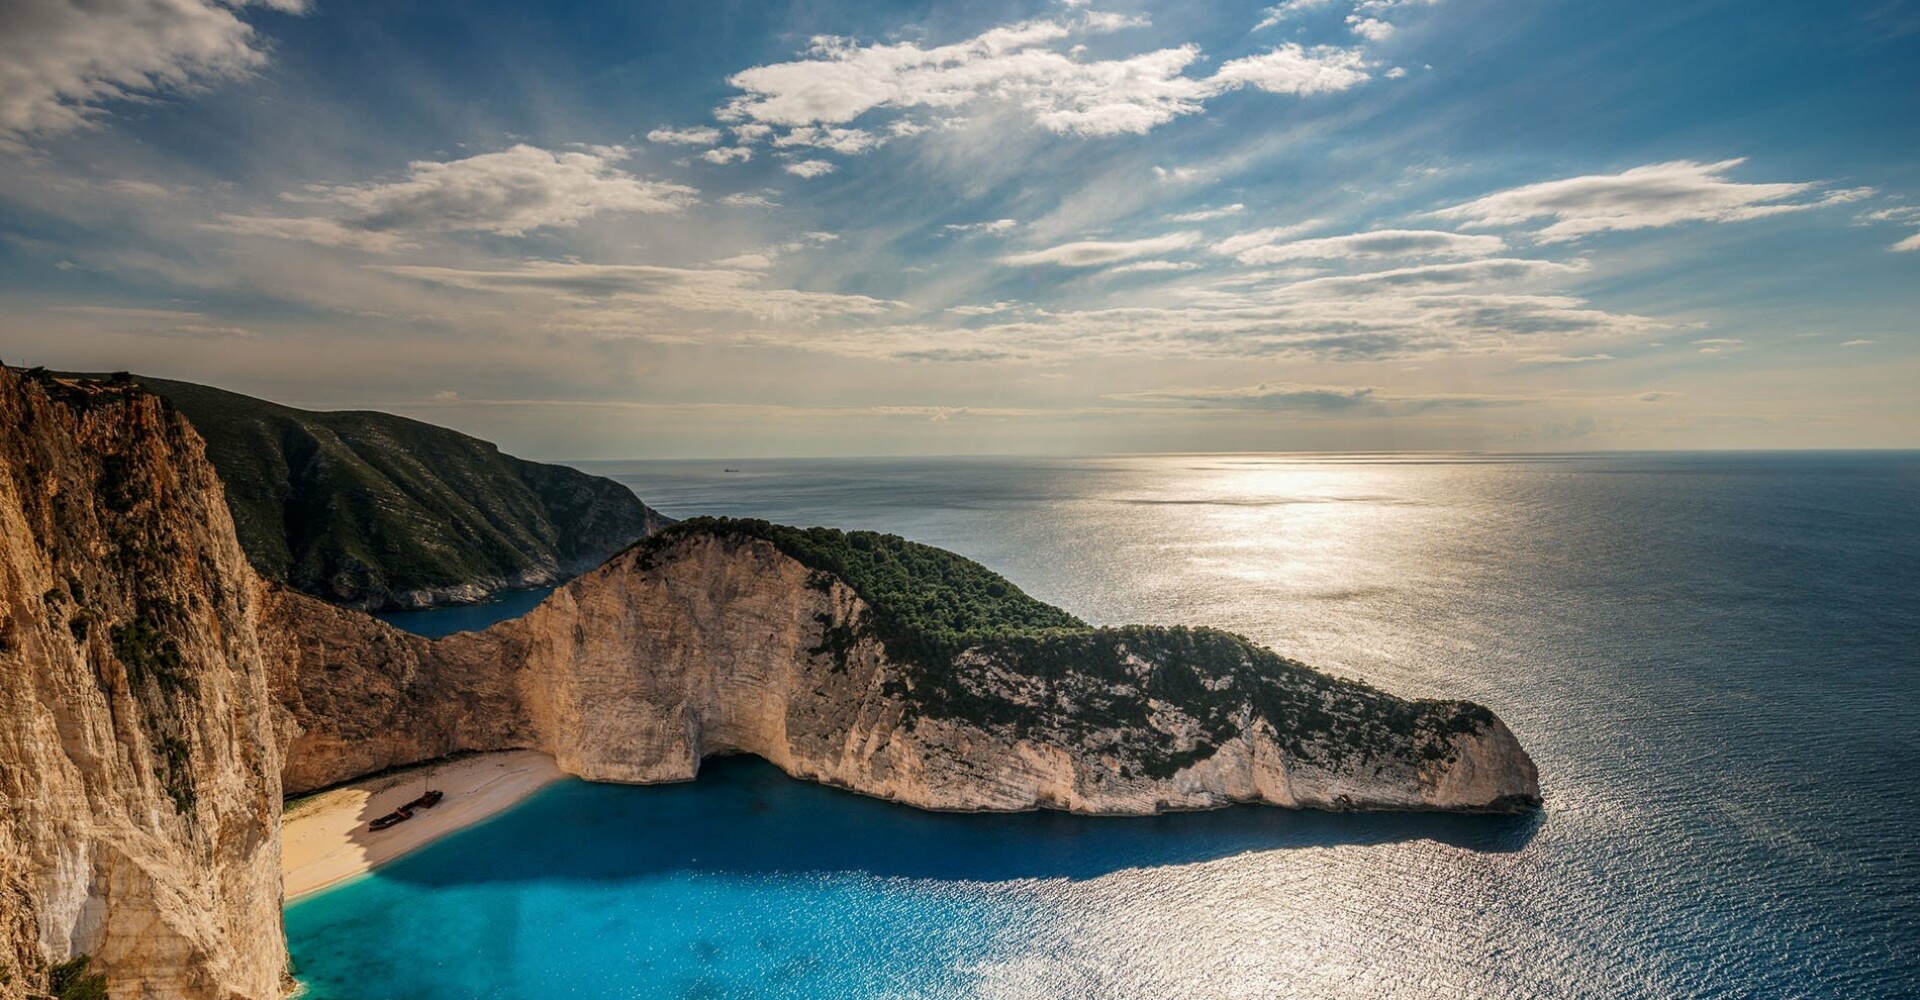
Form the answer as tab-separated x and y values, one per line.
352	503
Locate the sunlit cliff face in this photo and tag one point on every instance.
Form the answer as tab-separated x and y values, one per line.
1023	226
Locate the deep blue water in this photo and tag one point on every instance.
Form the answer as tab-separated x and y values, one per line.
1715	660
435	623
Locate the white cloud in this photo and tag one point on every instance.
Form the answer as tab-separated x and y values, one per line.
60	61
1252	248
1021	67
1370	28
1291	69
1499	270
837	140
1659	194
749	199
728	154
1176	175
1564	359
984	310
1242	242
1153	266
1904	215
1282	11
1208	214
509	193
699	135
612	297
310	229
1894	213
1089	253
996	227
808	168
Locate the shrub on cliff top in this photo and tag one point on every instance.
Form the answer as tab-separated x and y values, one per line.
919	592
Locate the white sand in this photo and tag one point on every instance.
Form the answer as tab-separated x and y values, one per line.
324	838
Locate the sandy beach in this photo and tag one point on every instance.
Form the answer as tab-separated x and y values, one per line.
324	838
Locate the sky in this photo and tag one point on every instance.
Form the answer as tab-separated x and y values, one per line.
595	230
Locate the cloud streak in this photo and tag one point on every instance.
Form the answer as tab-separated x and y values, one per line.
1332	400
508	193
1648	197
1272	246
1092	253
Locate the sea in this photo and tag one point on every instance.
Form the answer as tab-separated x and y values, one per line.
1713	658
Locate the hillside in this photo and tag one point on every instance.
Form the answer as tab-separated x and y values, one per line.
381	511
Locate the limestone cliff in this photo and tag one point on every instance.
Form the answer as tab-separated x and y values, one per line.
709	642
139	771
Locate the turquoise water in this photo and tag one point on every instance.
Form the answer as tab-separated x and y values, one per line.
751	884
1713	658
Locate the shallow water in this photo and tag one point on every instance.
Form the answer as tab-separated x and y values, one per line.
1713	658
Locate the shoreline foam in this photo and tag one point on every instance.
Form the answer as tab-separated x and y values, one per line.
324	838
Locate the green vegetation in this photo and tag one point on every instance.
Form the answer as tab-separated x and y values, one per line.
921	595
150	654
176	772
158	673
355	505
70	980
942	617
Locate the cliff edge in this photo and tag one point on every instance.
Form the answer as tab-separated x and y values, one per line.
139	766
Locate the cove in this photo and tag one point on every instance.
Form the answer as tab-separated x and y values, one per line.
748	883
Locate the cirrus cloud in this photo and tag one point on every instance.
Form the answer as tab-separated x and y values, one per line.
1091	253
508	193
1648	197
1269	247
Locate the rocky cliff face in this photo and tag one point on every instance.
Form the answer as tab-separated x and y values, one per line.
139	769
711	644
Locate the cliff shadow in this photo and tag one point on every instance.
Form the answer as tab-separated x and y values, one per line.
744	816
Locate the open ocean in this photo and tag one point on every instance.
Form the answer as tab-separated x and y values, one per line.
1714	659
